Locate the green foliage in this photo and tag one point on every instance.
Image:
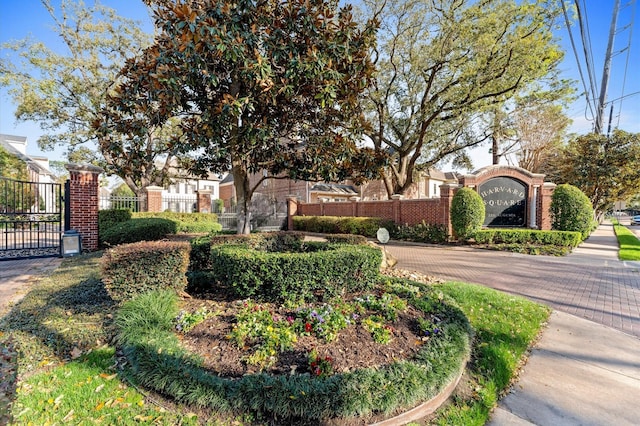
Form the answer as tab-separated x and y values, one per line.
346	239
380	331
628	242
528	236
69	81
244	87
190	223
571	210
135	230
367	226
421	233
467	213
321	267
12	167
605	168
109	218
185	321
159	363
132	269
441	65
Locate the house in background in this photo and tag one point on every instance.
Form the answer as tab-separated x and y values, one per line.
274	192
37	167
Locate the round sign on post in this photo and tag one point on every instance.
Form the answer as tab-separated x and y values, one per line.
383	235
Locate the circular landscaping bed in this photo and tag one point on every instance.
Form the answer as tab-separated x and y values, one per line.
368	353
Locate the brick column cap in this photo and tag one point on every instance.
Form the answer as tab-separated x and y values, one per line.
204	191
86	168
154	188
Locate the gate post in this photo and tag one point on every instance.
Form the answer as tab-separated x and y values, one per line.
83	202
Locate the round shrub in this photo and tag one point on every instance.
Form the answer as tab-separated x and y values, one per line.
132	269
134	230
571	210
467	213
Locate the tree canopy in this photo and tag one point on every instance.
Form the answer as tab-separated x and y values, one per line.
65	88
605	168
441	64
269	88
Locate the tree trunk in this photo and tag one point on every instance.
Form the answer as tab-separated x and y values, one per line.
494	149
243	195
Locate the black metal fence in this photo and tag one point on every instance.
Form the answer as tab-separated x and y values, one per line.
30	218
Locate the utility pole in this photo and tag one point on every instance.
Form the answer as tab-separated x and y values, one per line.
607	69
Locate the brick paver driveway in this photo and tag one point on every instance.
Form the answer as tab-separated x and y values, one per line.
602	290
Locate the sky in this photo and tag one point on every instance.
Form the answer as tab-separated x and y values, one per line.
19	19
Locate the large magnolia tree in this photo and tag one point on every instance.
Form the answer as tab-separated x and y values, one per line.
441	64
255	87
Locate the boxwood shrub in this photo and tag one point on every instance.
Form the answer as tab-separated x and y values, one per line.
528	236
571	210
111	217
132	269
467	213
346	239
189	223
367	226
314	269
134	230
421	233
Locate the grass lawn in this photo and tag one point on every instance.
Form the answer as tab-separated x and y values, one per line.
628	242
65	369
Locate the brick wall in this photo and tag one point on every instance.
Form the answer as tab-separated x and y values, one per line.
83	198
154	198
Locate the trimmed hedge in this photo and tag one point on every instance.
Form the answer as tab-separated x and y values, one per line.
111	217
346	239
571	210
528	236
159	362
132	269
313	269
134	230
467	213
269	241
421	233
367	226
188	223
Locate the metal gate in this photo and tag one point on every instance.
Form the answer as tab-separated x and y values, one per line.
30	219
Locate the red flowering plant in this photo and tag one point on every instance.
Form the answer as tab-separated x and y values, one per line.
320	366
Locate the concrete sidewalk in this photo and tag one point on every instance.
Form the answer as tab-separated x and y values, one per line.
17	277
580	373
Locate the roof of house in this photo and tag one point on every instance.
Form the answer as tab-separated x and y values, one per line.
334	188
31	161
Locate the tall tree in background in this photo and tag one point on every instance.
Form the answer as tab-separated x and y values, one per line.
269	87
64	89
441	64
606	169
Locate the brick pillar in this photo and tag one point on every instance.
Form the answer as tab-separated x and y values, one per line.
292	210
83	196
397	209
544	205
354	206
154	198
447	191
203	202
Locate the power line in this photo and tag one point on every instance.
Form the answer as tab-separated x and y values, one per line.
578	61
586	46
626	65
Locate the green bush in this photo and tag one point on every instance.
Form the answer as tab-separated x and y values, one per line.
528	236
421	233
346	239
314	269
132	269
467	213
571	210
367	226
109	218
188	223
135	230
